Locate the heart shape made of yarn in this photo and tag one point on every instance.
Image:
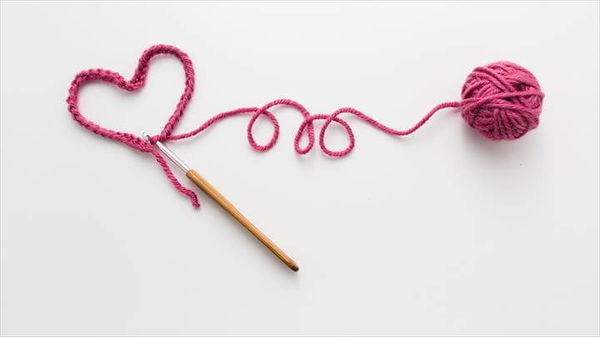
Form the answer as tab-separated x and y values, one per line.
135	83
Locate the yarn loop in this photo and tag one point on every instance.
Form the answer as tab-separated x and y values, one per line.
501	100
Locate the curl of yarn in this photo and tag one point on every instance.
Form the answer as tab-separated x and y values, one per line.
501	100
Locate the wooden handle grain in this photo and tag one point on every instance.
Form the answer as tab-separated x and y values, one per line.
226	205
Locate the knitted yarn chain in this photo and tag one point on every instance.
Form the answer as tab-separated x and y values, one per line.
501	100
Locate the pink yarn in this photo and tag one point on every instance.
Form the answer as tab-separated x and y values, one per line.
501	100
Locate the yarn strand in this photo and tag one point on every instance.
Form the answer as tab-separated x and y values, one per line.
501	100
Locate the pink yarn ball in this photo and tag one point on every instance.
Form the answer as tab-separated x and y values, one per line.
502	101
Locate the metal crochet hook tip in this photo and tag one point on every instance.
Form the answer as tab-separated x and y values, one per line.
207	188
170	154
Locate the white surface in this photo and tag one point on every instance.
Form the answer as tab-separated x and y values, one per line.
442	232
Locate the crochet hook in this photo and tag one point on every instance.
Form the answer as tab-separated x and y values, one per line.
207	188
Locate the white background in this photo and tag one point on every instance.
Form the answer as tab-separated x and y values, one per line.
442	232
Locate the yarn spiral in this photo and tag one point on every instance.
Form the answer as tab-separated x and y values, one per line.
501	100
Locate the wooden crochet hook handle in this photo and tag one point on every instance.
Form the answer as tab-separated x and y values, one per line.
207	188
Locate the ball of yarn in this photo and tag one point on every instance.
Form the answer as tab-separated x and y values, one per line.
501	100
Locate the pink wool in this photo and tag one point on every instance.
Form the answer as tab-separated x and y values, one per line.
501	100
